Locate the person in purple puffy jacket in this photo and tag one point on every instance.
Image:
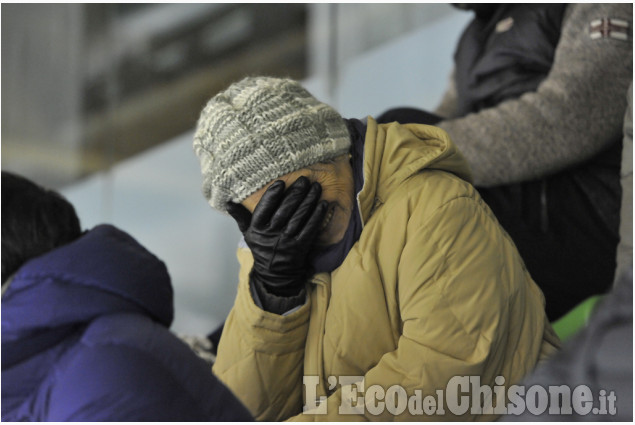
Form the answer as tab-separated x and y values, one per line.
85	318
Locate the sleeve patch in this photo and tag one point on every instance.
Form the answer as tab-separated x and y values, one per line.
619	29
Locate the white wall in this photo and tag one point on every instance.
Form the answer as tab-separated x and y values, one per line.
412	70
402	68
156	196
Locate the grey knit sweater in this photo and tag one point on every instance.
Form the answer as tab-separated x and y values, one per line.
574	114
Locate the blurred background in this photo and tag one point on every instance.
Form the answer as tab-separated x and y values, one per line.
99	101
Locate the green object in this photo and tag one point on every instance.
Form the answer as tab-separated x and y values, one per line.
572	322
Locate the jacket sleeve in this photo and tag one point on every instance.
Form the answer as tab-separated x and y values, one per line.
462	288
261	354
574	114
448	104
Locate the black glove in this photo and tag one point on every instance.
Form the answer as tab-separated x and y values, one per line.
281	234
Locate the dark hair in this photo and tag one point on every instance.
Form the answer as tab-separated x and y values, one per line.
35	220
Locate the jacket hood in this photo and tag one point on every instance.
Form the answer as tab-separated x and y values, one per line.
104	271
394	152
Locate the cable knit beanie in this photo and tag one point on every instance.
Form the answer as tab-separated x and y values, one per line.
260	129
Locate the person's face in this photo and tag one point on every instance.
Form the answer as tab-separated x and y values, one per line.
336	179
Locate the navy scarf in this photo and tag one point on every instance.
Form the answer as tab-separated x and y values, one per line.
331	257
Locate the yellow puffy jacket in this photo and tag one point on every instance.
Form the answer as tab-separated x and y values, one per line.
433	289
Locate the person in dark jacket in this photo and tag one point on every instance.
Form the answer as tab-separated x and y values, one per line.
535	104
85	320
600	355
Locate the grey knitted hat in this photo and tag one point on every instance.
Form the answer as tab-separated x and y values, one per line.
260	129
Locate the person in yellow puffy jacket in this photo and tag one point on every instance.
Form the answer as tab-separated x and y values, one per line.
373	275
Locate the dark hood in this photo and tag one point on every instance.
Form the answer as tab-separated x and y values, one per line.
104	271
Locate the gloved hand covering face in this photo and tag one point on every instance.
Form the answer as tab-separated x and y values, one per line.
281	233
